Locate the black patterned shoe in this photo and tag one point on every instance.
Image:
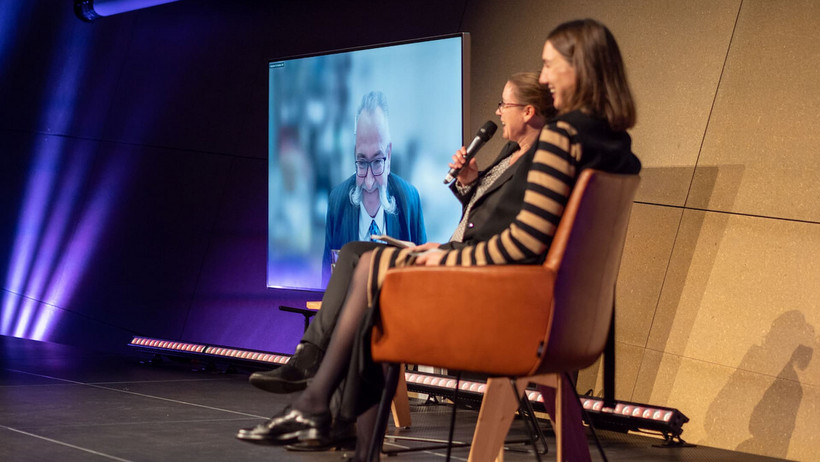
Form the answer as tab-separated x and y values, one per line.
289	427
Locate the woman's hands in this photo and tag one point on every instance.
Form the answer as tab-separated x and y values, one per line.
468	172
427	254
431	257
425	246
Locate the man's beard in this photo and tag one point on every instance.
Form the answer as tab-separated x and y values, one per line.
387	202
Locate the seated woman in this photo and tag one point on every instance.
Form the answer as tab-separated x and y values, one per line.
584	71
490	201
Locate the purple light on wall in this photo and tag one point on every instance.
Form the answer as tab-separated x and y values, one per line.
56	229
54	234
64	251
74	259
46	321
38	192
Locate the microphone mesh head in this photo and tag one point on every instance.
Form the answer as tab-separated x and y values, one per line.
487	130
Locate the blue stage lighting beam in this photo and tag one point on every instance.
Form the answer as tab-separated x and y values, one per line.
62	214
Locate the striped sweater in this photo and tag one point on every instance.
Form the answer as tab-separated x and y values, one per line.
566	146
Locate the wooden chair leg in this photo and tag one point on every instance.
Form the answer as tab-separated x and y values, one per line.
494	419
564	410
401	405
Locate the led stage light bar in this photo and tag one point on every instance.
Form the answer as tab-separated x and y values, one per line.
625	417
170	347
628	416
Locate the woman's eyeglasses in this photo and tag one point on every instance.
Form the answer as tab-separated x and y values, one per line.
502	105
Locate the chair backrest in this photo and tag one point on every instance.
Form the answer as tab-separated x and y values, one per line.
586	255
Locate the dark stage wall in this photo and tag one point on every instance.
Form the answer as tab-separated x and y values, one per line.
133	168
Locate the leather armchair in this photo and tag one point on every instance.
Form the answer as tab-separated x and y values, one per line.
531	322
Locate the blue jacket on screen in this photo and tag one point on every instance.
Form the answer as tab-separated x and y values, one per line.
342	225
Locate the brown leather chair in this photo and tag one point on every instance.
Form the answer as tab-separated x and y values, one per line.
531	322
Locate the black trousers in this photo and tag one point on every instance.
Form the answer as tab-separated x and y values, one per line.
321	328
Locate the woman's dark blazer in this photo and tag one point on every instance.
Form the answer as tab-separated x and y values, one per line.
500	204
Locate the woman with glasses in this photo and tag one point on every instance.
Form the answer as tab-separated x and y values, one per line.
492	198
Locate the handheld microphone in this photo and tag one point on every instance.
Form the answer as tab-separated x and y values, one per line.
482	136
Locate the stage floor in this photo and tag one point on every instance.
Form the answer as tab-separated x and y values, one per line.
62	403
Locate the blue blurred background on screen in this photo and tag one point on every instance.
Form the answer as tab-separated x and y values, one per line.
312	108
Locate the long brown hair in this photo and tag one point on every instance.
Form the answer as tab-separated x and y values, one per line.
601	86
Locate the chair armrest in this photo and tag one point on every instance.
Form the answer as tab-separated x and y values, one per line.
465	318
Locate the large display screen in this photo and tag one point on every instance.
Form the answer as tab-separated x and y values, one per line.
323	165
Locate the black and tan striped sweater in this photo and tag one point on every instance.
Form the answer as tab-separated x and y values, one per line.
567	145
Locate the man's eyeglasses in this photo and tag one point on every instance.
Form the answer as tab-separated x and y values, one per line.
376	166
502	105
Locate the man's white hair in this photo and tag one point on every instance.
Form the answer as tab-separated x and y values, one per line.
370	102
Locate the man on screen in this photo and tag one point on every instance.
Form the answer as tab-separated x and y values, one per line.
372	200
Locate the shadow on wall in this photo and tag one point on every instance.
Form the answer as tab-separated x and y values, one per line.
686	279
772	420
668	282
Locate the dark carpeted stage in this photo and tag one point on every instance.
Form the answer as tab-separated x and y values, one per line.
61	403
